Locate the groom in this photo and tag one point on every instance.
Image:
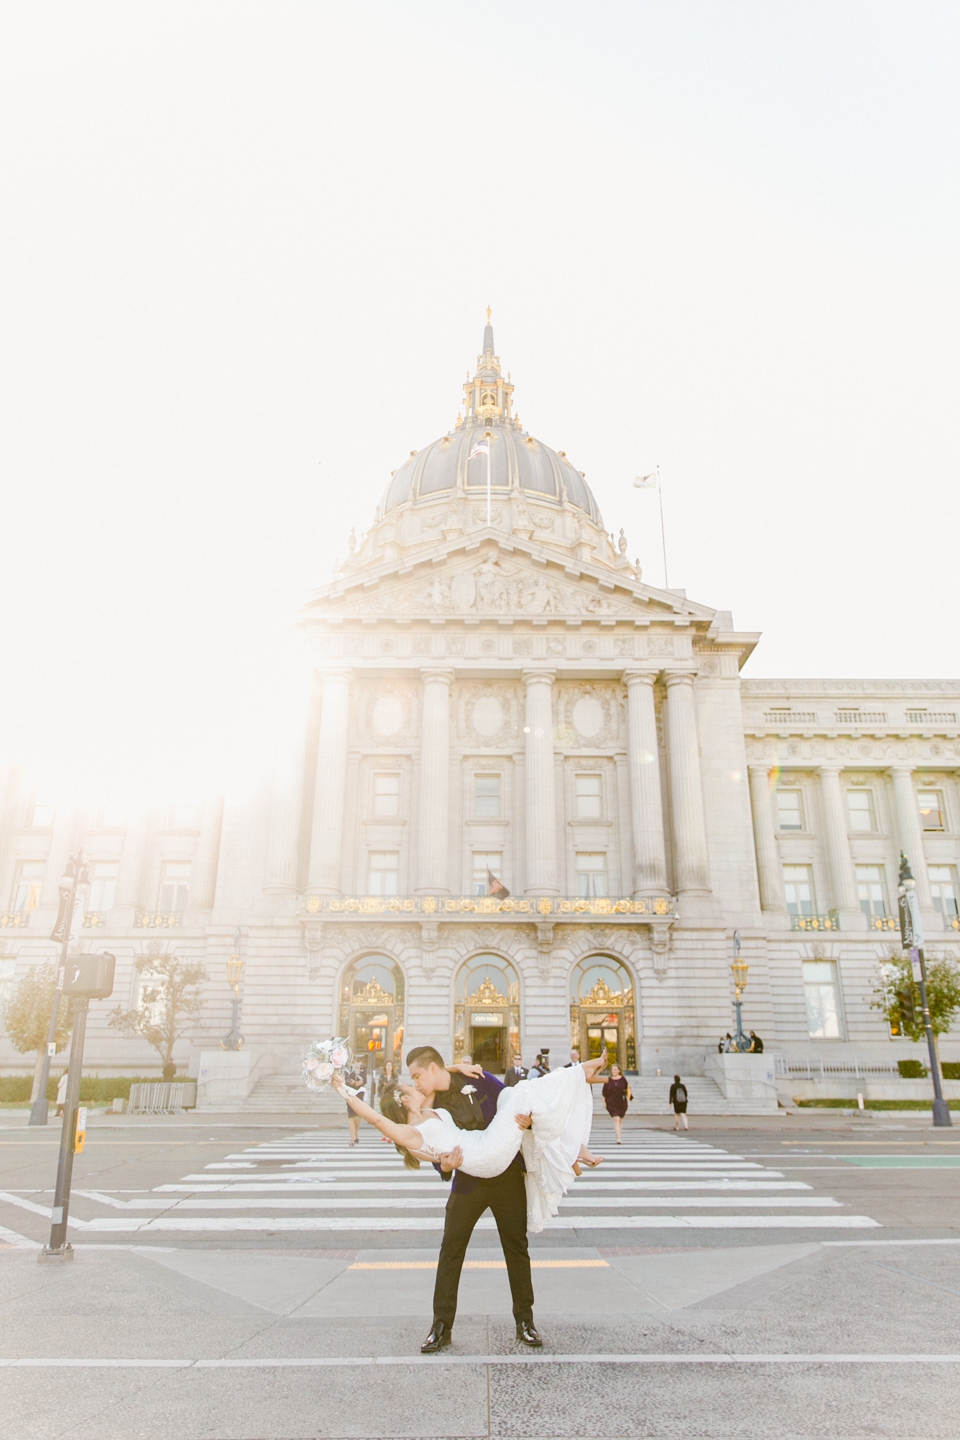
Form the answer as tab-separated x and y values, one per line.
472	1101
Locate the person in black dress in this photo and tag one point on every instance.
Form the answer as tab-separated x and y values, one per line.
678	1099
615	1094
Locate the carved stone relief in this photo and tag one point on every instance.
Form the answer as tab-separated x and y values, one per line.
661	645
488	714
588	714
386	713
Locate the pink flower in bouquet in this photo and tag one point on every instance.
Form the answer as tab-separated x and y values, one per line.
339	1056
324	1071
312	1064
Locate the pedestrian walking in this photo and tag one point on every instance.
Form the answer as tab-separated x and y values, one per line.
678	1099
61	1094
616	1096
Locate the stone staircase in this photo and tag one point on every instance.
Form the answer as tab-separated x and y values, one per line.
651	1097
286	1094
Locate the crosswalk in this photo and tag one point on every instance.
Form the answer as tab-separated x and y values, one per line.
313	1182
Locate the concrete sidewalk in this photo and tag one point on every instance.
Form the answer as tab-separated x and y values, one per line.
171	1344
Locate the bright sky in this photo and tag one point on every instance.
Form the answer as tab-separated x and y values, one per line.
246	250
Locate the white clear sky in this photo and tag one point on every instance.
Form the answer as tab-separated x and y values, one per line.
246	250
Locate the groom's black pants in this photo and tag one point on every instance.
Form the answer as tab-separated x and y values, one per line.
506	1196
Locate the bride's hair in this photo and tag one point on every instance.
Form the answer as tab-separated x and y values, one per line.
391	1107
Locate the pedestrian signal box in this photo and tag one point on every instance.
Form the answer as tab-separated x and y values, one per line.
89	977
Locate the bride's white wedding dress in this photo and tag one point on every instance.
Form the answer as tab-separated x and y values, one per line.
562	1110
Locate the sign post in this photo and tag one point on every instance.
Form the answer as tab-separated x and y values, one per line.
87	977
911	933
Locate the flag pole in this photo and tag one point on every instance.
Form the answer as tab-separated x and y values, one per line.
488	479
663	534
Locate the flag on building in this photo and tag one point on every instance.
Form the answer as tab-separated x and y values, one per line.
482	447
496	887
646	482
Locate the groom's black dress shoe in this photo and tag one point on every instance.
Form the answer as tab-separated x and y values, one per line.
528	1334
439	1338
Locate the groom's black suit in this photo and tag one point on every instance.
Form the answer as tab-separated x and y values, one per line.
504	1194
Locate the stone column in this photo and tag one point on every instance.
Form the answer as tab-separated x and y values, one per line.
326	841
769	868
692	866
839	860
204	882
541	793
645	800
434	817
286	807
909	831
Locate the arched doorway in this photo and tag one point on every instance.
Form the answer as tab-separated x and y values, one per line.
486	1013
602	1010
371	1010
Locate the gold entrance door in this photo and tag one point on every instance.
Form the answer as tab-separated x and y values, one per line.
371	1011
602	1012
486	1012
603	1033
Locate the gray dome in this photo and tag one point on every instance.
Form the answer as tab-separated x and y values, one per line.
517	462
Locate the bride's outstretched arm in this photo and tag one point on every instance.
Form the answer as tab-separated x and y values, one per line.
406	1135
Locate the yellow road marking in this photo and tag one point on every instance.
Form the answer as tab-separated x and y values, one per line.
479	1265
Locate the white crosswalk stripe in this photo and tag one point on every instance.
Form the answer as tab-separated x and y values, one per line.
314	1182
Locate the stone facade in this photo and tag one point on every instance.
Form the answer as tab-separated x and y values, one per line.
497	689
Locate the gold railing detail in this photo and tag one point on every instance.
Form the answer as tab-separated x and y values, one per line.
442	905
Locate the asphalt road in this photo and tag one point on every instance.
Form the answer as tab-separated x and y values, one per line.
794	1277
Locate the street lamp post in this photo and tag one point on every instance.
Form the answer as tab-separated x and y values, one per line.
233	1040
911	933
739	968
72	886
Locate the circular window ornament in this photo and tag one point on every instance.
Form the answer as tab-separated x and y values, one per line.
488	716
387	715
588	717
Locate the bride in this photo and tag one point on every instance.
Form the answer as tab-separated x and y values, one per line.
554	1146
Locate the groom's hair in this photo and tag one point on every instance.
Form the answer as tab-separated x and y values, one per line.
424	1055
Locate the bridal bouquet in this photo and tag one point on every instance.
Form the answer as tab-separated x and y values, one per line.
324	1060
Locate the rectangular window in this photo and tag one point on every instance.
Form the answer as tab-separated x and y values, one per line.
112	818
798	885
871	890
943	888
931	809
183	817
383	872
41	814
484	860
174	887
386	794
860	813
103	885
789	810
591	875
487	796
822	993
588	797
29	885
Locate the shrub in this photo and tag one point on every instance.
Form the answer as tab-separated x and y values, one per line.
951	1069
912	1069
94	1089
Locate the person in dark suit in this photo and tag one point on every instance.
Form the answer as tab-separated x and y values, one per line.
516	1073
472	1101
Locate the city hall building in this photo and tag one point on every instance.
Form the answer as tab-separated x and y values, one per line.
499	694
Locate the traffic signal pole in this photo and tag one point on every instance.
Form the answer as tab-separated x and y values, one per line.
57	1248
65	931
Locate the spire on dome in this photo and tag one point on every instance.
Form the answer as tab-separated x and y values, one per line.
488	396
488	336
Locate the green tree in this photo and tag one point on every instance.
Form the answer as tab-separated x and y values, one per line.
898	998
26	1017
170	1001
